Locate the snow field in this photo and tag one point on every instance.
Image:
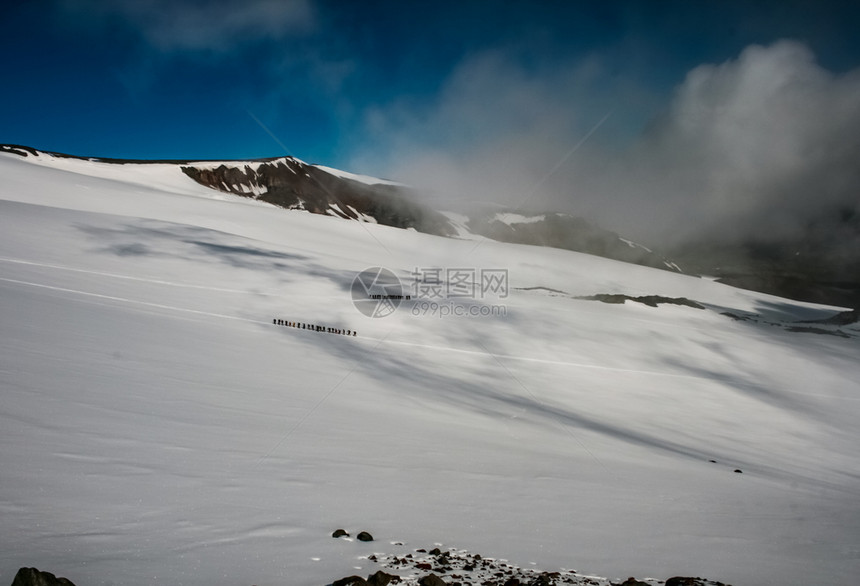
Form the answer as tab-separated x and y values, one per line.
157	428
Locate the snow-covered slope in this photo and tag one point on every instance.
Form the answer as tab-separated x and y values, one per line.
285	182
157	428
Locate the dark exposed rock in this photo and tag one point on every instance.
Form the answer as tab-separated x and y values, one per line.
15	149
350	581
289	183
364	536
808	330
462	568
339	533
633	582
431	580
33	577
738	471
380	578
679	581
545	579
682	581
650	300
736	317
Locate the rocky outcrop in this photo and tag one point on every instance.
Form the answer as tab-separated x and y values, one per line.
453	567
289	183
681	581
380	578
33	577
649	300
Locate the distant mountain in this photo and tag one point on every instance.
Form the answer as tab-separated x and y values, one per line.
820	264
290	183
563	231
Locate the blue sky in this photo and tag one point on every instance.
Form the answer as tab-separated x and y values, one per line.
158	78
446	94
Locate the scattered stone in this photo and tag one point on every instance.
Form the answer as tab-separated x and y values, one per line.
339	533
682	581
545	579
431	580
649	300
737	317
33	577
380	578
350	581
809	330
633	582
364	536
462	568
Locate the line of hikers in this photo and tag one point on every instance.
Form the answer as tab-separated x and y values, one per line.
313	327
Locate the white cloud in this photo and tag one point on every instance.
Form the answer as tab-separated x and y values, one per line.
494	132
201	25
753	145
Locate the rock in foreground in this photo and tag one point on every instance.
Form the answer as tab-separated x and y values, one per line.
454	567
33	577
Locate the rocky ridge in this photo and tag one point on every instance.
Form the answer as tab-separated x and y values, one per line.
457	567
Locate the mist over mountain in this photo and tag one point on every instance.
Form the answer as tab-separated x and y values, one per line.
292	184
820	263
751	163
753	146
560	230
